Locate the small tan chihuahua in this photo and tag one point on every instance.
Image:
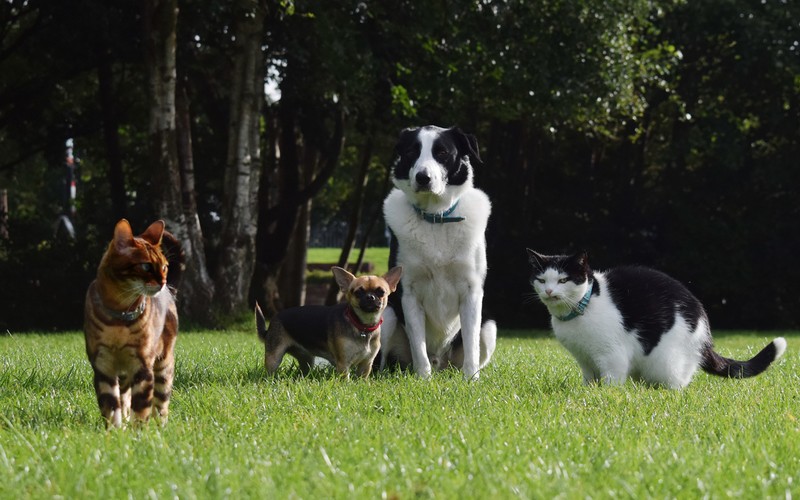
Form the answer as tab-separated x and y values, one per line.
346	334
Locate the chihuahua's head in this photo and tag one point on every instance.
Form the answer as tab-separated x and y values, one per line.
367	294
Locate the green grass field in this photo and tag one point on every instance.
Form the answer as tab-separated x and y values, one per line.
378	256
528	428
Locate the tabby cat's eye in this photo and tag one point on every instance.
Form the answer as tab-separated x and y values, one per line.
146	267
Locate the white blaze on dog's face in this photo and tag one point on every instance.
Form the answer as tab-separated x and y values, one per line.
434	165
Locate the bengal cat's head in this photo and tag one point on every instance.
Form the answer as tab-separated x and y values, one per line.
136	263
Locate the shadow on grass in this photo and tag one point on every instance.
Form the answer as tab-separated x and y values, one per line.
523	333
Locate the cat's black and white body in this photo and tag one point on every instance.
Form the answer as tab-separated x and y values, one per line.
633	322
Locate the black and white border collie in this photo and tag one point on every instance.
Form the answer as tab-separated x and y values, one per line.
438	223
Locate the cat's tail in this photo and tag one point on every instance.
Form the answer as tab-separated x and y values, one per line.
261	324
715	364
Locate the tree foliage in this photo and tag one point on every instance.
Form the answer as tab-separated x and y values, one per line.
660	133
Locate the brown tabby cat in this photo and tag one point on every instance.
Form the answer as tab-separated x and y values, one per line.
130	324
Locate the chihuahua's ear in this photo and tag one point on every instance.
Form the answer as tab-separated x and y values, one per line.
343	278
393	277
261	323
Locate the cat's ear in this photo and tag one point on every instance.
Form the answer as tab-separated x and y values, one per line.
123	235
582	258
153	233
536	259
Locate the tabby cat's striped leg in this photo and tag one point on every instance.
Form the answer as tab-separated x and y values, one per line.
164	370
125	404
142	394
108	398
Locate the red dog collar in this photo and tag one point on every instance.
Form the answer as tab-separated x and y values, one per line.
361	327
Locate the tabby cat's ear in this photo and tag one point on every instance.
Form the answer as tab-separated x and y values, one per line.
153	233
123	235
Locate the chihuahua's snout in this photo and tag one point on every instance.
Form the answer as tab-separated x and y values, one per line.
370	302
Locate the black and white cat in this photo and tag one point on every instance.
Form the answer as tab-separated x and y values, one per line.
633	322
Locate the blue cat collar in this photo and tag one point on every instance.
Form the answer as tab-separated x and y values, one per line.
581	306
440	217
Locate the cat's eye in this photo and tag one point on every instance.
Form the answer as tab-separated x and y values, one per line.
563	280
146	267
540	280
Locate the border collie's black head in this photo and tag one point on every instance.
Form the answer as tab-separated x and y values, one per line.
430	159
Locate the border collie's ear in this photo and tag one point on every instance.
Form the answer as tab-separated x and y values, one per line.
405	139
468	144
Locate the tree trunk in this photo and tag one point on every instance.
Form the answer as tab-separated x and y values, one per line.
354	220
160	21
277	223
243	164
292	275
197	285
116	178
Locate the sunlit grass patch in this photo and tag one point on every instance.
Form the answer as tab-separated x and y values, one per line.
527	428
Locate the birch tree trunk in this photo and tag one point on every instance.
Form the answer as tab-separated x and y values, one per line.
239	220
160	22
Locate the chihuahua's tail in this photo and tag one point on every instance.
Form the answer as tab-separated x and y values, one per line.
261	324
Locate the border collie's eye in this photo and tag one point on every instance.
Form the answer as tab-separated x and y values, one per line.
146	267
442	153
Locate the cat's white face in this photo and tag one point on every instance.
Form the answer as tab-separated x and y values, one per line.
556	290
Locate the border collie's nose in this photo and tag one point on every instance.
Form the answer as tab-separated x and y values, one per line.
423	179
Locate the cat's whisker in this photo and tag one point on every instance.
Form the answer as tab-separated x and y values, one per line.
530	297
130	293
